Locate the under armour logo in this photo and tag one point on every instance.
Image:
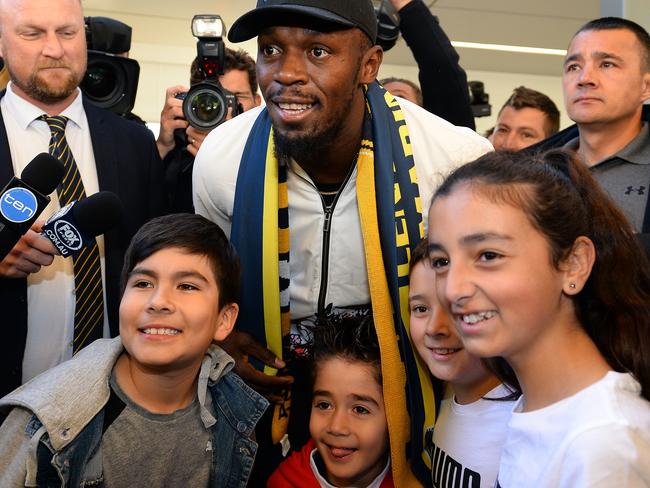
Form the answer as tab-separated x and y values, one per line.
639	191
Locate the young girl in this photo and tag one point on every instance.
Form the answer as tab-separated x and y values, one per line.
537	265
476	406
348	427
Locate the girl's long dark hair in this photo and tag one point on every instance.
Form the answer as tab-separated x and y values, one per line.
563	201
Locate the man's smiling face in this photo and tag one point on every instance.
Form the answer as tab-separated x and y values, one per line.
310	81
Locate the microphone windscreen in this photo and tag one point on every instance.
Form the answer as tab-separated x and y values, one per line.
43	173
98	213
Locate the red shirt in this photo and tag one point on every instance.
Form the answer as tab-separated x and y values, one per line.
296	472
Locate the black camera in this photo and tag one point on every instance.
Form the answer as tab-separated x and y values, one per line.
111	81
206	104
479	100
387	24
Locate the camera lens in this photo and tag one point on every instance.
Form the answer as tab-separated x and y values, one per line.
101	82
205	106
111	82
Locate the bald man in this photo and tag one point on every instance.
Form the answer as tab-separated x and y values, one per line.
43	45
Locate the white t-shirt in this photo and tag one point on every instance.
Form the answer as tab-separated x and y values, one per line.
599	437
467	440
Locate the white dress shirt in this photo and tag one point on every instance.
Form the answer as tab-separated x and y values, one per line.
51	291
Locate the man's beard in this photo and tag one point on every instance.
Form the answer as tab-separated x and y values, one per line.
309	147
306	148
38	89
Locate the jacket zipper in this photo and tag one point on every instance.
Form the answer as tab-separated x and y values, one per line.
329	211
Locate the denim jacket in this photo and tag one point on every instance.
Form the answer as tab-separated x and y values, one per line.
52	436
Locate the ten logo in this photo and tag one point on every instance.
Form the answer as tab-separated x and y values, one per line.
18	205
68	234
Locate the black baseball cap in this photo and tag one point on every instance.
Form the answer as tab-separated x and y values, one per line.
332	13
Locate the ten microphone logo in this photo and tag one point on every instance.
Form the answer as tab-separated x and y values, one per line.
18	205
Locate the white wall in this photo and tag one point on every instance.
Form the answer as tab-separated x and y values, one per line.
499	86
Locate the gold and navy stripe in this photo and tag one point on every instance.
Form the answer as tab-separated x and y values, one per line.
89	296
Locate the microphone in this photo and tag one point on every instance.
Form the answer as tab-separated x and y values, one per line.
23	199
76	225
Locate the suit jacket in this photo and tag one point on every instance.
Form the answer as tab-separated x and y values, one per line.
128	165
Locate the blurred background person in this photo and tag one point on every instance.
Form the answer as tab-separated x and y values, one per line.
401	87
526	118
4	75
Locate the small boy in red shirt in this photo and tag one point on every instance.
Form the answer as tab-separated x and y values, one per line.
349	433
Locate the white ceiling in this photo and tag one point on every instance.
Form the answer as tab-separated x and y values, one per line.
531	23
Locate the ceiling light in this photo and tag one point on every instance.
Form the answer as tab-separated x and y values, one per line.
512	49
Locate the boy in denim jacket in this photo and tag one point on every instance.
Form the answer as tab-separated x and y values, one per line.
158	405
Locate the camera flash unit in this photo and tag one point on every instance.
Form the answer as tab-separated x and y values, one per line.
208	26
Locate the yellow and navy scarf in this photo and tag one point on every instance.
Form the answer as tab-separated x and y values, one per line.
391	220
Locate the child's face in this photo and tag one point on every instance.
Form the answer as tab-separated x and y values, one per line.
434	336
495	275
348	421
169	313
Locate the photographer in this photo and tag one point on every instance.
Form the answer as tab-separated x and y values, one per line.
442	80
177	151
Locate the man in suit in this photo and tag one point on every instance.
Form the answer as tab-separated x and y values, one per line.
44	48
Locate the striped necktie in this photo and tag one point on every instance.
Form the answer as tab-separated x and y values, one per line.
89	298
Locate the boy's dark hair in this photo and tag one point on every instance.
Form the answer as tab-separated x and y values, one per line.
350	337
523	97
416	88
196	235
239	60
614	23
